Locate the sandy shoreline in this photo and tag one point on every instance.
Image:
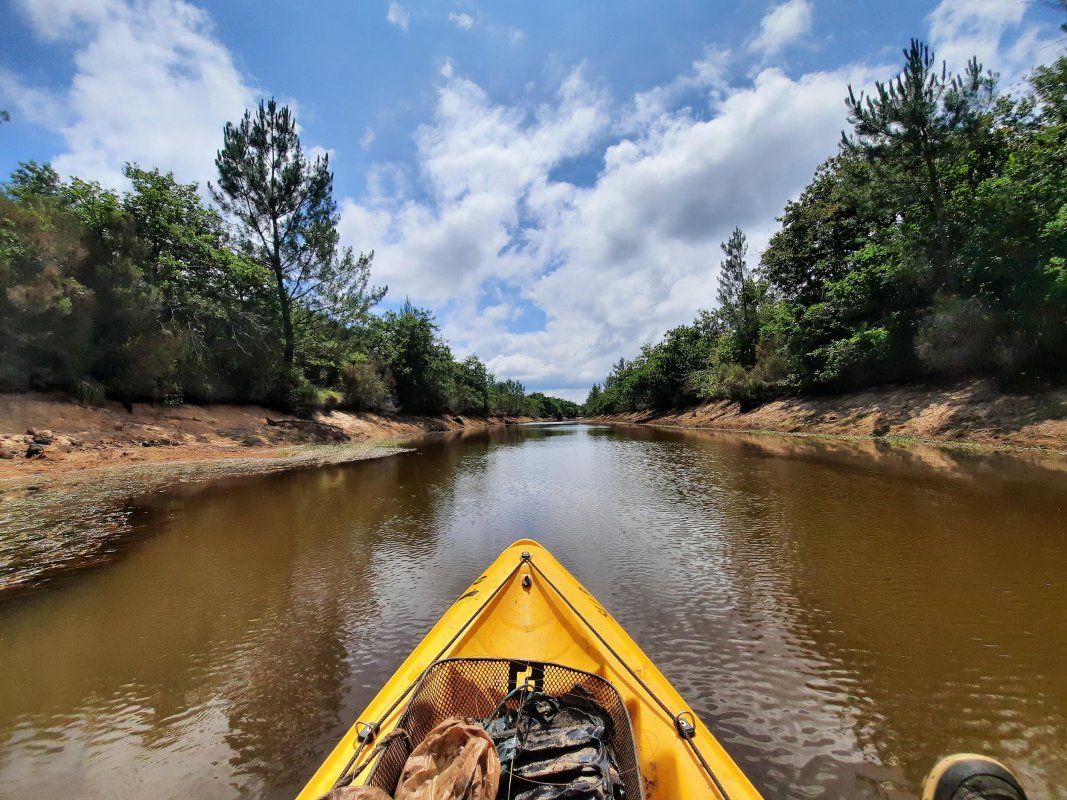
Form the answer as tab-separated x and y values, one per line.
972	414
45	437
60	508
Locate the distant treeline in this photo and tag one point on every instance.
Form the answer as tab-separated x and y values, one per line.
932	246
155	295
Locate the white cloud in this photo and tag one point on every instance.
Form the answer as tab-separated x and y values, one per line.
321	152
516	37
398	15
38	106
612	264
615	261
447	70
962	29
783	25
367	139
151	84
464	21
56	19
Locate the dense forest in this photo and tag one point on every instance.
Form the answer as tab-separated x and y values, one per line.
932	246
154	294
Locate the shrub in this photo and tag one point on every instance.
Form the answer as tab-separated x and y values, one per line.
854	360
955	337
366	387
90	394
294	393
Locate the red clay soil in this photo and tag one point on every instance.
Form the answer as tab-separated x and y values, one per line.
974	413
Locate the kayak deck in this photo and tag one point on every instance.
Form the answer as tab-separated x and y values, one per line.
473	688
526	607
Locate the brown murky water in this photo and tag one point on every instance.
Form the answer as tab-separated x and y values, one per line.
840	614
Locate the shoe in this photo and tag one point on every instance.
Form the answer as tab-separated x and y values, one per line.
967	776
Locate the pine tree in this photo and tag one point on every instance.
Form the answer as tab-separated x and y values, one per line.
737	298
913	128
286	220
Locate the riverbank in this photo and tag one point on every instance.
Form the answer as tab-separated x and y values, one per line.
973	413
66	467
44	436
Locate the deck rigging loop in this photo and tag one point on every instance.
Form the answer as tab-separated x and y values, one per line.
685	724
686	727
367	730
388	739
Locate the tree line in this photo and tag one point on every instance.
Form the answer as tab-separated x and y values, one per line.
931	246
153	294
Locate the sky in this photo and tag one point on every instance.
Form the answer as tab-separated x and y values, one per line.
551	179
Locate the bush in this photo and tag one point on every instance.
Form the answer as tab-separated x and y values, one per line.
329	399
294	393
855	360
90	394
727	381
365	387
955	337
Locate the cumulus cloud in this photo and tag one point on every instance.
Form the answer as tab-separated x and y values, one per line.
490	227
962	29
464	21
781	26
367	139
151	84
56	19
398	15
612	264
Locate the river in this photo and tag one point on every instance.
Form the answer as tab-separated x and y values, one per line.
840	614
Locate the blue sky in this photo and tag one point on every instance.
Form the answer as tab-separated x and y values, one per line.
552	179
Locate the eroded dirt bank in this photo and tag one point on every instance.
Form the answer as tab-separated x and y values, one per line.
974	413
42	437
66	469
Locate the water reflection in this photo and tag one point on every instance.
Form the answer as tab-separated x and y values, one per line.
841	613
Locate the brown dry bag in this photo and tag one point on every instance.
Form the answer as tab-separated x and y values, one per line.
456	761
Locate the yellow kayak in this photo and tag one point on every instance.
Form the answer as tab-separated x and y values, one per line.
527	619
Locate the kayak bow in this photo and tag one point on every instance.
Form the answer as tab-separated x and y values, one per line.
528	609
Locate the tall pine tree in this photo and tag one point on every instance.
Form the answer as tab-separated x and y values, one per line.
286	220
738	298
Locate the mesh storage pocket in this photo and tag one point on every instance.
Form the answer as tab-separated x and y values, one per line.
473	688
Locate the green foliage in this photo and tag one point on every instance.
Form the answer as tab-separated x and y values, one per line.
508	398
408	343
147	296
555	408
934	244
471	387
927	136
739	299
366	386
283	207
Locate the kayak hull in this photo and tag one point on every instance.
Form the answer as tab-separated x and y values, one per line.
527	607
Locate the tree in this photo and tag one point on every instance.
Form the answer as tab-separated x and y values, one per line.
508	397
738	297
34	183
286	220
470	386
820	231
217	304
919	128
420	362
